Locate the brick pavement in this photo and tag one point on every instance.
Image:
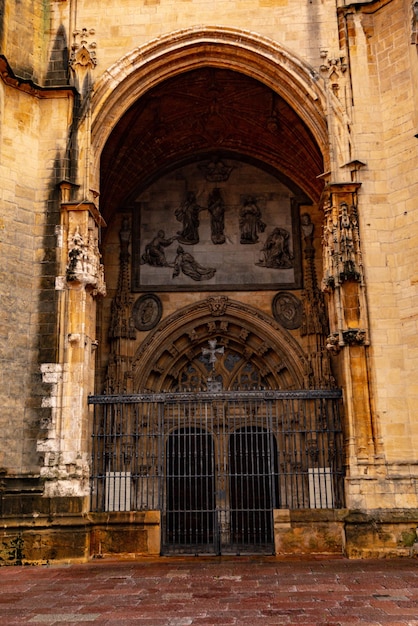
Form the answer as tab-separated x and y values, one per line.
202	592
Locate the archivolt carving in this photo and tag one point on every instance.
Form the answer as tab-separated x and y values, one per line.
242	330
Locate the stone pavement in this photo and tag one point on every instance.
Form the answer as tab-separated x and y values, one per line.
224	591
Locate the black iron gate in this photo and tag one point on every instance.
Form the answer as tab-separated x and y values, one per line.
217	465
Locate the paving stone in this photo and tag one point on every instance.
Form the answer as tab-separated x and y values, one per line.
225	593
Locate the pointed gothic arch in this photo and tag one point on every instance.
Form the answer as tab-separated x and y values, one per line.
260	58
255	340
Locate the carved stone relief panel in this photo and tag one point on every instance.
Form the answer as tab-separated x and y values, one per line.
147	312
213	225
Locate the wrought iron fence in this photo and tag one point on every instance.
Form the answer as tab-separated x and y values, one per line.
217	464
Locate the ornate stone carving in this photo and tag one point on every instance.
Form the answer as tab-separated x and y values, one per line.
83	52
343	281
351	337
334	68
122	323
255	338
84	263
185	263
250	222
215	170
217	305
342	253
155	250
147	312
334	72
212	351
287	310
188	214
276	252
216	208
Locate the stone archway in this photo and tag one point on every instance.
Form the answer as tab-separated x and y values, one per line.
257	352
263	60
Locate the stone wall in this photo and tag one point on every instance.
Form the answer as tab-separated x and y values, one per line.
32	133
385	122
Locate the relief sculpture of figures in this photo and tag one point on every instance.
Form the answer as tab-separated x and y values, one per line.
250	222
216	208
188	214
276	253
154	251
185	263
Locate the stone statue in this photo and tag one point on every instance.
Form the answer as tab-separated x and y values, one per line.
216	209
154	251
250	221
186	263
188	214
276	253
307	226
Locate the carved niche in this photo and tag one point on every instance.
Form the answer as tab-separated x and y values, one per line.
343	281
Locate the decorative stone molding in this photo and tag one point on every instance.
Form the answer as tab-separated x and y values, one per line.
350	337
343	280
341	242
241	329
334	69
84	265
217	305
83	52
81	261
334	72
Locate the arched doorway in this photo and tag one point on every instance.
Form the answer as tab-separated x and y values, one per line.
205	179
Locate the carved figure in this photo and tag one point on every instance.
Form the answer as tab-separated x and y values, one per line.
125	236
216	208
307	226
188	214
215	170
276	251
347	242
186	263
154	251
250	222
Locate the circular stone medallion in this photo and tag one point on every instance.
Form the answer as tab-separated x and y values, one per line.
147	312
287	310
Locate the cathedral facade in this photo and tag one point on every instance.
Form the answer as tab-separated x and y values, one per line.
209	278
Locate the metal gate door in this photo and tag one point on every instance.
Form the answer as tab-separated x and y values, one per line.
252	488
217	465
190	490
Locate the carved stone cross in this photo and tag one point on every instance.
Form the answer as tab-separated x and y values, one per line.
212	351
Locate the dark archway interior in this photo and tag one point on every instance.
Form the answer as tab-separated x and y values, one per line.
200	113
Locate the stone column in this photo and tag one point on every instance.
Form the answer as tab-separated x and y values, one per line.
345	291
66	442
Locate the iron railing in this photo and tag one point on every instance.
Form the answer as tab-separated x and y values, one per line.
217	464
